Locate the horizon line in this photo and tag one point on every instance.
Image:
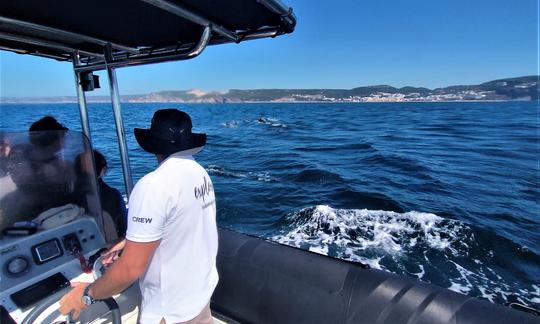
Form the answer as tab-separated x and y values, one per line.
311	88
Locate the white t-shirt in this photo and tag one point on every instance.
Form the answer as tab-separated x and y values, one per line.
175	204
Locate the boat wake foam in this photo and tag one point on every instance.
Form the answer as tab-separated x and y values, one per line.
422	245
221	171
350	231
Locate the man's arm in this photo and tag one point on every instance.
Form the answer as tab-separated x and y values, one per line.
125	270
119	276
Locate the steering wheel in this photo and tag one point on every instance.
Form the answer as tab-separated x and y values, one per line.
98	269
43	305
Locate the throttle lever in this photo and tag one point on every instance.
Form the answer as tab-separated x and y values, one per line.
86	267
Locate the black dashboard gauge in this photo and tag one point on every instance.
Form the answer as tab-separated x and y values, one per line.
17	266
47	251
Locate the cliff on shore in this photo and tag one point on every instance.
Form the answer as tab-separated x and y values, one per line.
521	88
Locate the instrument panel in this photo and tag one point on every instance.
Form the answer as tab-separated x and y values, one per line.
47	251
33	267
17	266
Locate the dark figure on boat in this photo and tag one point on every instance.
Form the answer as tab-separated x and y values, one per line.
47	138
112	202
5	148
42	178
55	174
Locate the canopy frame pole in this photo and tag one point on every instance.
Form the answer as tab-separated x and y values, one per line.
176	9
110	62
81	97
51	44
279	8
19	51
65	33
119	122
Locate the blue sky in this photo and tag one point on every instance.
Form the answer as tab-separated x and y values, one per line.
337	44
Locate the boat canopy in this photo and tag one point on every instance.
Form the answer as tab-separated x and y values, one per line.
135	32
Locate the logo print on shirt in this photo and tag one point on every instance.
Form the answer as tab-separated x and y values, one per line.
141	219
204	190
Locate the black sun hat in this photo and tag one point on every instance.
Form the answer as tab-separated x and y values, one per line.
170	132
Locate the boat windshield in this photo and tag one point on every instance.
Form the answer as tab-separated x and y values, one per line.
46	179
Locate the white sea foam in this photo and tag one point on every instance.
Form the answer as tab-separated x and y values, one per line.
373	263
421	273
356	230
259	176
380	238
485	294
319	250
459	288
536	293
217	170
488	287
231	124
368	236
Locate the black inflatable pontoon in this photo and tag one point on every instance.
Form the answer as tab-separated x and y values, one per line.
265	282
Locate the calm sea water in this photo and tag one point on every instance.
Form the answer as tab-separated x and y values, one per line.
445	192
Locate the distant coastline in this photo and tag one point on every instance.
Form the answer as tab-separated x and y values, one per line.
512	89
260	102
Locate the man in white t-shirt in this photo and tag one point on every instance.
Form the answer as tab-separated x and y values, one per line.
171	240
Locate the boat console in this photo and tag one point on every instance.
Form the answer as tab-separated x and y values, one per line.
51	226
37	266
